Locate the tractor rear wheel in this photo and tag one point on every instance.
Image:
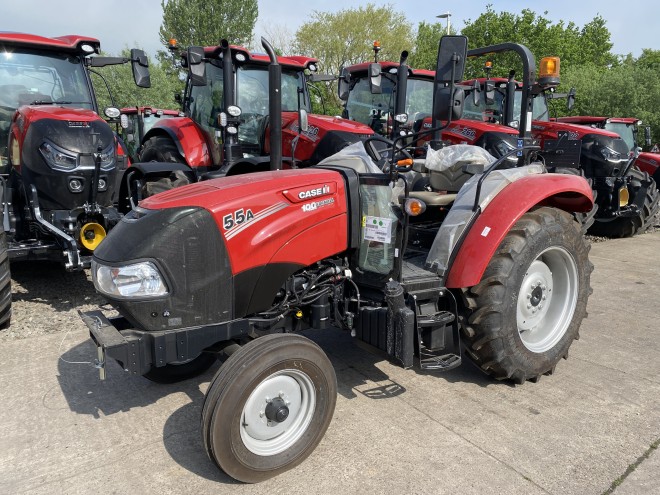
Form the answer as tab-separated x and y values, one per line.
268	407
176	372
528	307
5	284
629	226
162	149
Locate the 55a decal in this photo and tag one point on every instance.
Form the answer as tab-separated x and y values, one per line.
237	218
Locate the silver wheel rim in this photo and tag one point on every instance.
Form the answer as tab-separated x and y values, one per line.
547	299
264	437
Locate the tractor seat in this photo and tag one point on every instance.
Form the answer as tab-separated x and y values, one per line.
433	198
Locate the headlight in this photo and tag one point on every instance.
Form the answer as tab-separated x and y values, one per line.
139	280
58	158
609	154
108	157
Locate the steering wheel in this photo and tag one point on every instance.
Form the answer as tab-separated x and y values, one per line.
380	154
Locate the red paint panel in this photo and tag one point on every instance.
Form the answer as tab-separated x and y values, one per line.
257	219
191	139
567	192
648	162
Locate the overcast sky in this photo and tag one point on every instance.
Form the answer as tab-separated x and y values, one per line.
633	24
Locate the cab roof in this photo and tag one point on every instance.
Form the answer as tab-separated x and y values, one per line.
295	61
386	66
70	42
590	120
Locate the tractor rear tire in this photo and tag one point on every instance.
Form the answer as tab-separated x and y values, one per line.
528	307
173	373
629	226
162	149
268	407
5	284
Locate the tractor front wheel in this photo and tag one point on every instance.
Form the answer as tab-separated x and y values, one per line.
528	307
162	149
268	407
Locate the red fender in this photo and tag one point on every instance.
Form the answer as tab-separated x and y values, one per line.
567	192
188	138
648	162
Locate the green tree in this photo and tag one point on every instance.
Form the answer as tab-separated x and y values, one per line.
346	37
206	22
425	55
588	45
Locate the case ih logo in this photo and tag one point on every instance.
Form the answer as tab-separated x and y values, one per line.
75	123
312	193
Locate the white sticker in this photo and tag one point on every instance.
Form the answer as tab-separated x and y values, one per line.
378	229
485	232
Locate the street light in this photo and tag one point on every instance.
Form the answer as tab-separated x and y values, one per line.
446	15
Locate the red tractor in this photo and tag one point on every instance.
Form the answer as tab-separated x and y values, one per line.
226	128
58	158
628	129
236	266
393	98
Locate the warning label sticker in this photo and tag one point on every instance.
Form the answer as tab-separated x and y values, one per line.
377	229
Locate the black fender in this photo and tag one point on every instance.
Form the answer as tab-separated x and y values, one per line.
146	170
244	166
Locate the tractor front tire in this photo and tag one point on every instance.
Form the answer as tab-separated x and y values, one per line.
528	307
176	372
5	284
268	407
162	149
629	226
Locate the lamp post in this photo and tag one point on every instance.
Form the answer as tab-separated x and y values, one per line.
446	15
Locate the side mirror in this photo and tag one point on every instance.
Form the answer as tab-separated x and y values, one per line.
343	86
303	120
451	59
447	106
140	66
196	66
570	99
476	93
489	93
375	78
647	135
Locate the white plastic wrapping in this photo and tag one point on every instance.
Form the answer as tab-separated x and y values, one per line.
355	157
461	212
455	156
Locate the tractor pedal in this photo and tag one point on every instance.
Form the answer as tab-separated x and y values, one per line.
441	318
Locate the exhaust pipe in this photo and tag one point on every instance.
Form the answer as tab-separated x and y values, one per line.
274	106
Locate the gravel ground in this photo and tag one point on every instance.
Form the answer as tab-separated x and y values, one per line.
46	298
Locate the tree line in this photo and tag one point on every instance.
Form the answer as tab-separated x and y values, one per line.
607	84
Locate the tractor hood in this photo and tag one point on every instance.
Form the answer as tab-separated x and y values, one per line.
223	247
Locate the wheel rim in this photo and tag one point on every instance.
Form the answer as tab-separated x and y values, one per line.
547	299
266	433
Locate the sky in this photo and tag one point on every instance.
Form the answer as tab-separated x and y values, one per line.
135	23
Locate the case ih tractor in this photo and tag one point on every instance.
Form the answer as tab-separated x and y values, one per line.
393	98
501	109
628	129
236	267
226	128
58	158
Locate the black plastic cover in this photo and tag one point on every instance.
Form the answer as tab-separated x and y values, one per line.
187	248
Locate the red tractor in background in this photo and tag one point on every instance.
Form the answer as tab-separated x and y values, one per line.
58	158
233	267
226	128
628	129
